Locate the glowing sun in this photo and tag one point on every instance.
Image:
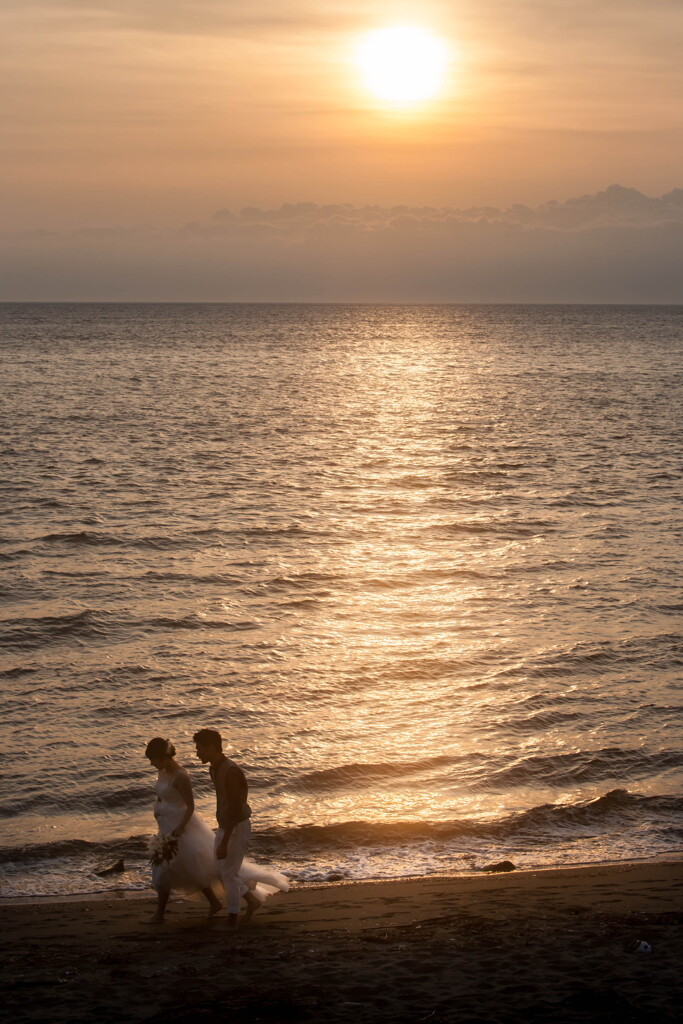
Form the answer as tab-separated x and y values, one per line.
402	65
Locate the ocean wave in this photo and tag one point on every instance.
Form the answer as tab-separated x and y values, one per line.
500	528
365	775
540	827
489	773
30	633
476	772
414	578
96	625
538	722
86	801
154	542
199	622
13	556
82	538
17	672
663	650
74	849
220	579
476	476
539	824
580	768
302	581
290	530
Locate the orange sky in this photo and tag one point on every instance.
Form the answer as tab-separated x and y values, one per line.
138	111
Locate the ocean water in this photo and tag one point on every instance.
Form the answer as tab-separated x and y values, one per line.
421	565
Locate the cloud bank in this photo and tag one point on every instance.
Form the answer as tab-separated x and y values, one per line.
615	246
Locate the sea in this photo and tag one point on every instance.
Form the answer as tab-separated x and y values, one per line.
421	566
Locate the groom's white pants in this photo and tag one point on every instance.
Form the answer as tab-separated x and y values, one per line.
229	866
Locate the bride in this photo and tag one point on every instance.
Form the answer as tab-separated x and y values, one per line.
192	866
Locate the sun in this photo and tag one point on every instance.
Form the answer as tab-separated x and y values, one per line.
402	65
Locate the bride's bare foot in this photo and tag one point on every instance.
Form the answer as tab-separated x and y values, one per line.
154	919
214	903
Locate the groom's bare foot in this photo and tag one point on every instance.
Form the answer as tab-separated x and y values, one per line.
252	906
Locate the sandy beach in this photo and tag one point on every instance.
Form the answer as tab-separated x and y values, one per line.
525	946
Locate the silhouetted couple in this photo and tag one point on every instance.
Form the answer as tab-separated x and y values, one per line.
187	854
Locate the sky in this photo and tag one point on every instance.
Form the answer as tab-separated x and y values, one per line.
132	126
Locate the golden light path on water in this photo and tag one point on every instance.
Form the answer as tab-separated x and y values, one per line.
385	619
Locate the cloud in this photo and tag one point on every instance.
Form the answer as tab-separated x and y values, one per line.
616	205
615	246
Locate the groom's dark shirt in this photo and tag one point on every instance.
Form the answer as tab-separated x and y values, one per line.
231	794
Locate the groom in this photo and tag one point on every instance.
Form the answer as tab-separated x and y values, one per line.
232	813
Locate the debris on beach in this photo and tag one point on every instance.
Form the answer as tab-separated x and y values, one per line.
502	865
640	946
113	869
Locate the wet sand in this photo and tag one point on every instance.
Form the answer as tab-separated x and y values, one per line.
553	945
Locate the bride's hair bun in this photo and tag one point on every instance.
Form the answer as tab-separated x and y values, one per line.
159	747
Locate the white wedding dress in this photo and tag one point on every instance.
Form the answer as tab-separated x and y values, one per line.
193	866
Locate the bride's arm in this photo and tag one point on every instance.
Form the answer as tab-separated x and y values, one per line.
184	786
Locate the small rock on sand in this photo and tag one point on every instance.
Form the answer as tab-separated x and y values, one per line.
502	865
113	869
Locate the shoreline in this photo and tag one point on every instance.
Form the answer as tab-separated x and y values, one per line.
524	946
137	894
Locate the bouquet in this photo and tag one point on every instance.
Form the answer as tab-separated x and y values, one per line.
162	850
